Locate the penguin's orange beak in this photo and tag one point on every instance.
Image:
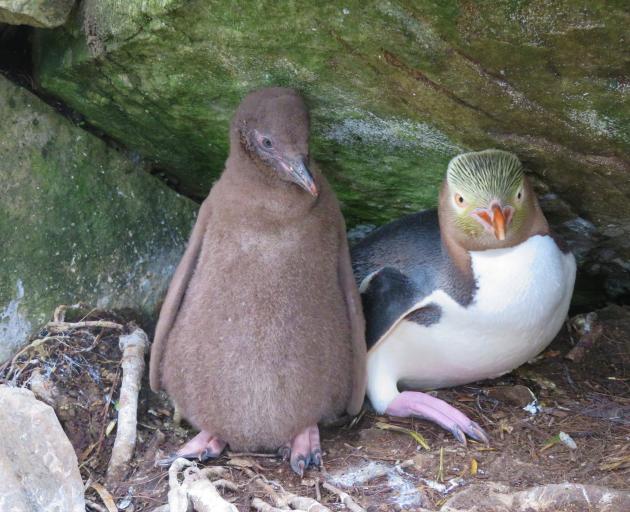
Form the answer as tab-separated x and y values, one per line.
498	222
495	219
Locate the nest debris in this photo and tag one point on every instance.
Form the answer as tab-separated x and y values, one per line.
578	430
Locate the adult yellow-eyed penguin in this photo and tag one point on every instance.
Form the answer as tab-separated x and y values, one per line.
261	335
467	292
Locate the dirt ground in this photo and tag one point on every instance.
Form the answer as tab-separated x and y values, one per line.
381	466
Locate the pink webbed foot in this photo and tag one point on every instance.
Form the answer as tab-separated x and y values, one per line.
427	407
203	446
304	450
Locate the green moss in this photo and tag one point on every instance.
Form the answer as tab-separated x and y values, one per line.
473	74
78	221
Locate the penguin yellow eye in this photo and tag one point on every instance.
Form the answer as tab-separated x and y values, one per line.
459	200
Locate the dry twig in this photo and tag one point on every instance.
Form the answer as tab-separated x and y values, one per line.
344	497
105	496
67	326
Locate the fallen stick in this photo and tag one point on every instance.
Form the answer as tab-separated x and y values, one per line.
344	497
66	326
105	496
133	347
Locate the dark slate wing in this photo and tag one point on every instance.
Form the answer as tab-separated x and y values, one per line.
406	262
410	244
389	296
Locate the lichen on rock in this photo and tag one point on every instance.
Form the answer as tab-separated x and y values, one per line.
79	221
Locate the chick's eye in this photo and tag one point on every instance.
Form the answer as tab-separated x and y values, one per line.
459	200
519	195
267	142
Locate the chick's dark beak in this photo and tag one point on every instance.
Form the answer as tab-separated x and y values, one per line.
302	176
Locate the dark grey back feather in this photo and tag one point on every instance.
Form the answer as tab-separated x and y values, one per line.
408	262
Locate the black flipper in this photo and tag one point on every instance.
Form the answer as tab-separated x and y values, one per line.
388	296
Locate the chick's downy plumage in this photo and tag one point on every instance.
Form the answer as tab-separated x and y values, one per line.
261	333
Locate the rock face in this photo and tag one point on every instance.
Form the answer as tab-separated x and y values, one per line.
395	91
37	463
37	13
79	222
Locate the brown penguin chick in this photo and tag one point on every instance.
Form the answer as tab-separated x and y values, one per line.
261	335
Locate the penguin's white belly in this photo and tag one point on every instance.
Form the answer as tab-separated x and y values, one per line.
522	298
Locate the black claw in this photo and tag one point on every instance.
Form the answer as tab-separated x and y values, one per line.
316	457
168	460
477	433
299	465
284	453
165	462
459	435
207	454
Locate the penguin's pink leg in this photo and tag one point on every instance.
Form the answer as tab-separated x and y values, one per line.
203	446
196	445
305	450
422	405
316	449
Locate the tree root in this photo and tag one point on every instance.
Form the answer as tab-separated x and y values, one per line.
197	489
261	506
133	347
282	499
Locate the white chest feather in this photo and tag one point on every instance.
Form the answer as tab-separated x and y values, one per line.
522	299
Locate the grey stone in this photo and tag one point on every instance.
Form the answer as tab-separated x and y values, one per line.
37	13
38	466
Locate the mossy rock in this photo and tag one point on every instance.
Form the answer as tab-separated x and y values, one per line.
79	222
395	89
